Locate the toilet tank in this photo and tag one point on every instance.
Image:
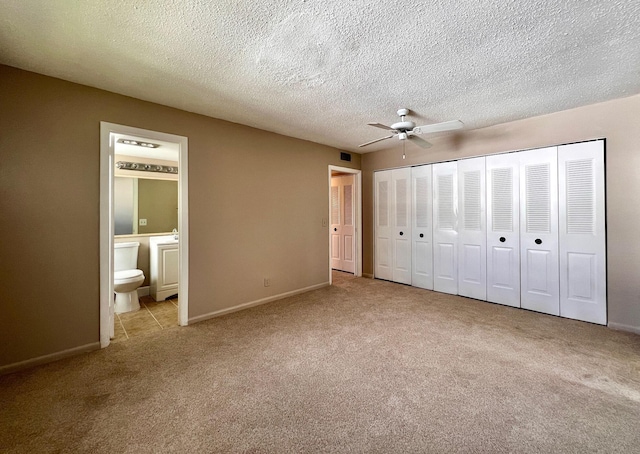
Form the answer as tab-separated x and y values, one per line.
125	256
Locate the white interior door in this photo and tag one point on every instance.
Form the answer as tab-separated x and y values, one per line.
540	286
342	223
583	292
422	227
348	224
472	229
336	223
503	229
445	224
383	260
401	233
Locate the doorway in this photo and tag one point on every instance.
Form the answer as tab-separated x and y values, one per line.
345	221
110	133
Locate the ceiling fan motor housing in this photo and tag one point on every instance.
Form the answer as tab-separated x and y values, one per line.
403	126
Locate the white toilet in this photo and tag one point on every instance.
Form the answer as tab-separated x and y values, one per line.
126	278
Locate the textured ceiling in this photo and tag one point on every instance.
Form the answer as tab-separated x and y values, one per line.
320	70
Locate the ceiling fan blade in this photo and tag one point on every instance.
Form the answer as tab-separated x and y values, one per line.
381	126
439	127
420	141
374	141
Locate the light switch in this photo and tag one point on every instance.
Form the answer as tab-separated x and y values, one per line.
143	222
324	222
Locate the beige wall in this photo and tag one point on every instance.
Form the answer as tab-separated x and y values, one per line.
256	204
617	121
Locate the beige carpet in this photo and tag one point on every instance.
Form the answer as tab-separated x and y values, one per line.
363	366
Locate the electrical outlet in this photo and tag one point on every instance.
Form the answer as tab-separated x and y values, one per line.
267	282
143	222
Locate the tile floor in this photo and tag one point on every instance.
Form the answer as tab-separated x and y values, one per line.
152	316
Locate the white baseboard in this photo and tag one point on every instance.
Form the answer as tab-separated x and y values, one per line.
621	327
143	291
367	275
48	358
242	306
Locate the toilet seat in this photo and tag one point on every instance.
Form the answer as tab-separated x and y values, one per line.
126	276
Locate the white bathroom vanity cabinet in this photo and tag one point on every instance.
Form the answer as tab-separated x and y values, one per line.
164	264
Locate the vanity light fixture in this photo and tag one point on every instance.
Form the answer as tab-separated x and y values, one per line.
138	143
126	165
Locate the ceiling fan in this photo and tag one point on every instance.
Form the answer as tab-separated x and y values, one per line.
408	130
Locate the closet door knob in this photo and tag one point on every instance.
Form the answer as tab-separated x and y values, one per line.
401	233
538	241
335	229
422	235
502	239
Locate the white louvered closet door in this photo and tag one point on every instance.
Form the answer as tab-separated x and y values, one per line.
422	229
503	229
540	284
383	268
583	290
472	229
445	223
401	233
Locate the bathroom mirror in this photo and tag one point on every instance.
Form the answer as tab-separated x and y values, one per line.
144	206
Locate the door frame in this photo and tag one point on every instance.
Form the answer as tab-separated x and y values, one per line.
107	152
357	244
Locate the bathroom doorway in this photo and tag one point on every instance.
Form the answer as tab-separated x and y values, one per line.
345	221
155	152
